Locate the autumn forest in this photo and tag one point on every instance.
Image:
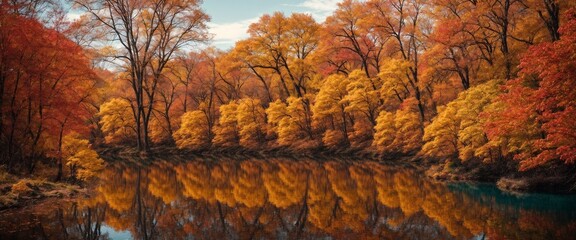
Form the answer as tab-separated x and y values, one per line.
387	119
460	85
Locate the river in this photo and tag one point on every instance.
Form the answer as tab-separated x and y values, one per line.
289	199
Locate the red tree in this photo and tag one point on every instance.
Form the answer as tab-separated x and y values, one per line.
543	101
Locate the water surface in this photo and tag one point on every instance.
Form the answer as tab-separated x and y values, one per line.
289	199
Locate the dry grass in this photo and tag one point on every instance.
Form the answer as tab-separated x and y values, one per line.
21	192
8	200
6	177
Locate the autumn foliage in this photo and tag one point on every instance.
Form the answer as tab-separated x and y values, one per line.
475	81
46	89
539	107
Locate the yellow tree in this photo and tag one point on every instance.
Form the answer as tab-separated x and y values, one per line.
385	131
116	119
290	122
280	46
83	161
329	111
226	132
363	103
277	113
231	72
404	23
159	130
194	132
400	132
243	55
459	130
441	136
408	126
251	122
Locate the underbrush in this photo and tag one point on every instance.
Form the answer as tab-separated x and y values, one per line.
21	190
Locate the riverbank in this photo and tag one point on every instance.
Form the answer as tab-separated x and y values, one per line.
18	192
549	178
111	154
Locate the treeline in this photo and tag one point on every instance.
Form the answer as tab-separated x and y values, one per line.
486	81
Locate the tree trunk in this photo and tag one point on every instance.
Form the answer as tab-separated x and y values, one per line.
59	158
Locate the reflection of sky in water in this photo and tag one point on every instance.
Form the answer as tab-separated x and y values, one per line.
115	235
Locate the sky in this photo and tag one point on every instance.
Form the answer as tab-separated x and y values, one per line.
231	18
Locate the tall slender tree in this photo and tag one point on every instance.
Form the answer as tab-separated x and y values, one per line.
149	33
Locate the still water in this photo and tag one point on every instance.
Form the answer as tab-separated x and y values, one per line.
290	199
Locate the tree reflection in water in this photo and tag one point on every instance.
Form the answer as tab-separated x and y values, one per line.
282	198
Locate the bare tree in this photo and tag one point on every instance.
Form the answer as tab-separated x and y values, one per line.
149	32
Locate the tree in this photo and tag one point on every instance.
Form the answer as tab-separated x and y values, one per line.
117	123
541	103
404	22
84	162
349	41
149	32
458	130
45	82
289	121
278	52
409	128
453	51
251	119
194	132
226	132
363	104
329	112
399	132
169	92
441	136
385	131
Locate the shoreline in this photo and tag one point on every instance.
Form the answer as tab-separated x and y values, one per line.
26	192
552	179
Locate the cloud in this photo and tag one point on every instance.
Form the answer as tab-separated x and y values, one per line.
320	5
226	34
73	15
319	9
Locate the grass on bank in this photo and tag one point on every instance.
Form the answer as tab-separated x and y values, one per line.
17	191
